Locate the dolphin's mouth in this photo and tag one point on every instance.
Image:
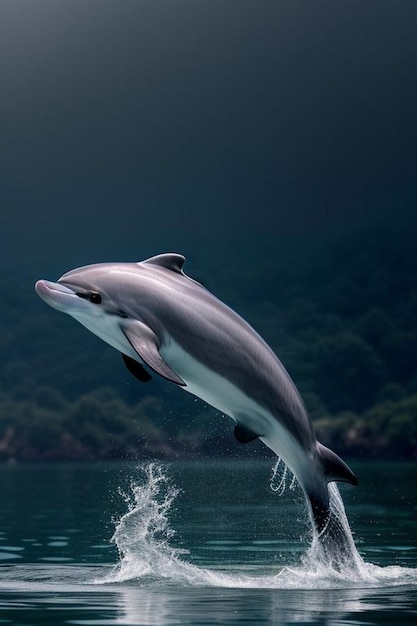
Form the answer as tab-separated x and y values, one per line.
56	295
45	287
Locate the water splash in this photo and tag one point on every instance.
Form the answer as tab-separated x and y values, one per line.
143	536
336	538
318	564
334	548
280	474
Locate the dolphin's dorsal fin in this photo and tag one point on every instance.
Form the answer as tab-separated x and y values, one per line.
333	466
244	434
170	261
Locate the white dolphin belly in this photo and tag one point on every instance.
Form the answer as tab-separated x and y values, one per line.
223	395
108	329
218	392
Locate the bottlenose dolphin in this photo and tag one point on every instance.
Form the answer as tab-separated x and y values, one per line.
163	320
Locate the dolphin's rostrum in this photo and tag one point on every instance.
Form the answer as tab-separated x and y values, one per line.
158	317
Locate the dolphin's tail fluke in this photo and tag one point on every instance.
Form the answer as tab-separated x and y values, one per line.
333	467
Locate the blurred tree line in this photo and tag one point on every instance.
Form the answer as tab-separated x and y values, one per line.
342	318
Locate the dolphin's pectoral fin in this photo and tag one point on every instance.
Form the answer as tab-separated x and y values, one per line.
144	342
333	466
136	369
244	435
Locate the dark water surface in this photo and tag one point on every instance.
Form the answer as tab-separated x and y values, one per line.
198	543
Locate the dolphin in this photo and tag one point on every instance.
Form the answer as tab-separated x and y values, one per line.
164	322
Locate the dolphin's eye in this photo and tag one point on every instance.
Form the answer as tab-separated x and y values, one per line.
95	298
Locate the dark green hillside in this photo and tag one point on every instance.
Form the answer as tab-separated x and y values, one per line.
342	318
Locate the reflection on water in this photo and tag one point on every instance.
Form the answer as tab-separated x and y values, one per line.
73	599
227	550
259	606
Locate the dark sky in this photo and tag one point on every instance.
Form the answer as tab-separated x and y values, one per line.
130	127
